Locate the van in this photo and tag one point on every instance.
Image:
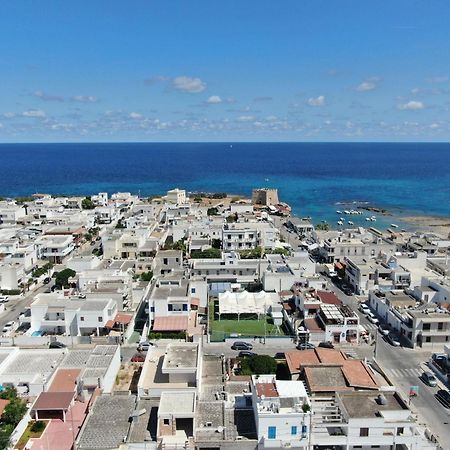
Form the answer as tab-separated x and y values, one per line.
364	308
371	317
429	378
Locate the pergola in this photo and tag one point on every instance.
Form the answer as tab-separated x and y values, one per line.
245	303
51	405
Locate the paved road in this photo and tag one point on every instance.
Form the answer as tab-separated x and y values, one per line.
403	367
16	305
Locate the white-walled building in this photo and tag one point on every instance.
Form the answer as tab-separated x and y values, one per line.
176	196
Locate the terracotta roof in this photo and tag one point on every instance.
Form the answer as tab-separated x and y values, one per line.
3	405
109	324
123	318
53	401
329	355
267	389
325	378
195	301
297	359
328	297
358	374
170	323
312	325
65	380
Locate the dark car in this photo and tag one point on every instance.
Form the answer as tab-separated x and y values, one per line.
238	345
246	354
444	397
326	345
138	358
305	346
47	280
57	344
280	355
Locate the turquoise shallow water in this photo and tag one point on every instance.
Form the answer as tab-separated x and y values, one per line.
314	178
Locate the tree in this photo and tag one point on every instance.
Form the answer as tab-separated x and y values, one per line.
259	365
323	227
14	411
87	203
212	211
208	253
216	243
62	278
146	276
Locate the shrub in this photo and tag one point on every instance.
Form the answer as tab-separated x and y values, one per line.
38	426
146	276
87	203
62	278
208	253
258	365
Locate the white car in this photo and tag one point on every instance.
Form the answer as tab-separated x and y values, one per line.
371	317
8	327
383	331
364	308
3	298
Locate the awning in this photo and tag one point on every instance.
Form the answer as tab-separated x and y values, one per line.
123	319
195	301
109	324
170	323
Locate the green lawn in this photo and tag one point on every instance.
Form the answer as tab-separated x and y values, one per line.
245	326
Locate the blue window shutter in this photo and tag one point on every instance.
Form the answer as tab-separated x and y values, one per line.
293	430
272	432
185	307
193	290
304	429
170	307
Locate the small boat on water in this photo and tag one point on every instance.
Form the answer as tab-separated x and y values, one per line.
339	212
350	222
368	219
340	222
393	225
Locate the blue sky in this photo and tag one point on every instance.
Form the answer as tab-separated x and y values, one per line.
207	70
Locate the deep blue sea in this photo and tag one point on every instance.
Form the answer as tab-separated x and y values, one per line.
316	179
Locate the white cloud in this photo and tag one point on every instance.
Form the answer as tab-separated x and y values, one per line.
47	97
9	115
412	105
246	118
135	115
188	84
366	86
438	79
84	98
36	113
214	100
316	101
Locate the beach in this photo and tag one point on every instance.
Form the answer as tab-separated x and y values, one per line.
438	225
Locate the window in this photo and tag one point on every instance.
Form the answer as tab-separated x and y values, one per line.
185	307
364	432
426	326
82	319
400	431
165	261
152	309
440	325
100	318
428	339
293	430
166	422
170	307
272	432
193	290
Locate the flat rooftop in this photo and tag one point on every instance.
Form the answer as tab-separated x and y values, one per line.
179	356
177	403
367	405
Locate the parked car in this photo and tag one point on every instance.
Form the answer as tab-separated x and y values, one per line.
383	331
280	355
57	344
444	397
392	340
326	345
4	298
429	378
246	354
8	326
144	346
364	308
371	318
138	358
239	345
305	346
348	291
